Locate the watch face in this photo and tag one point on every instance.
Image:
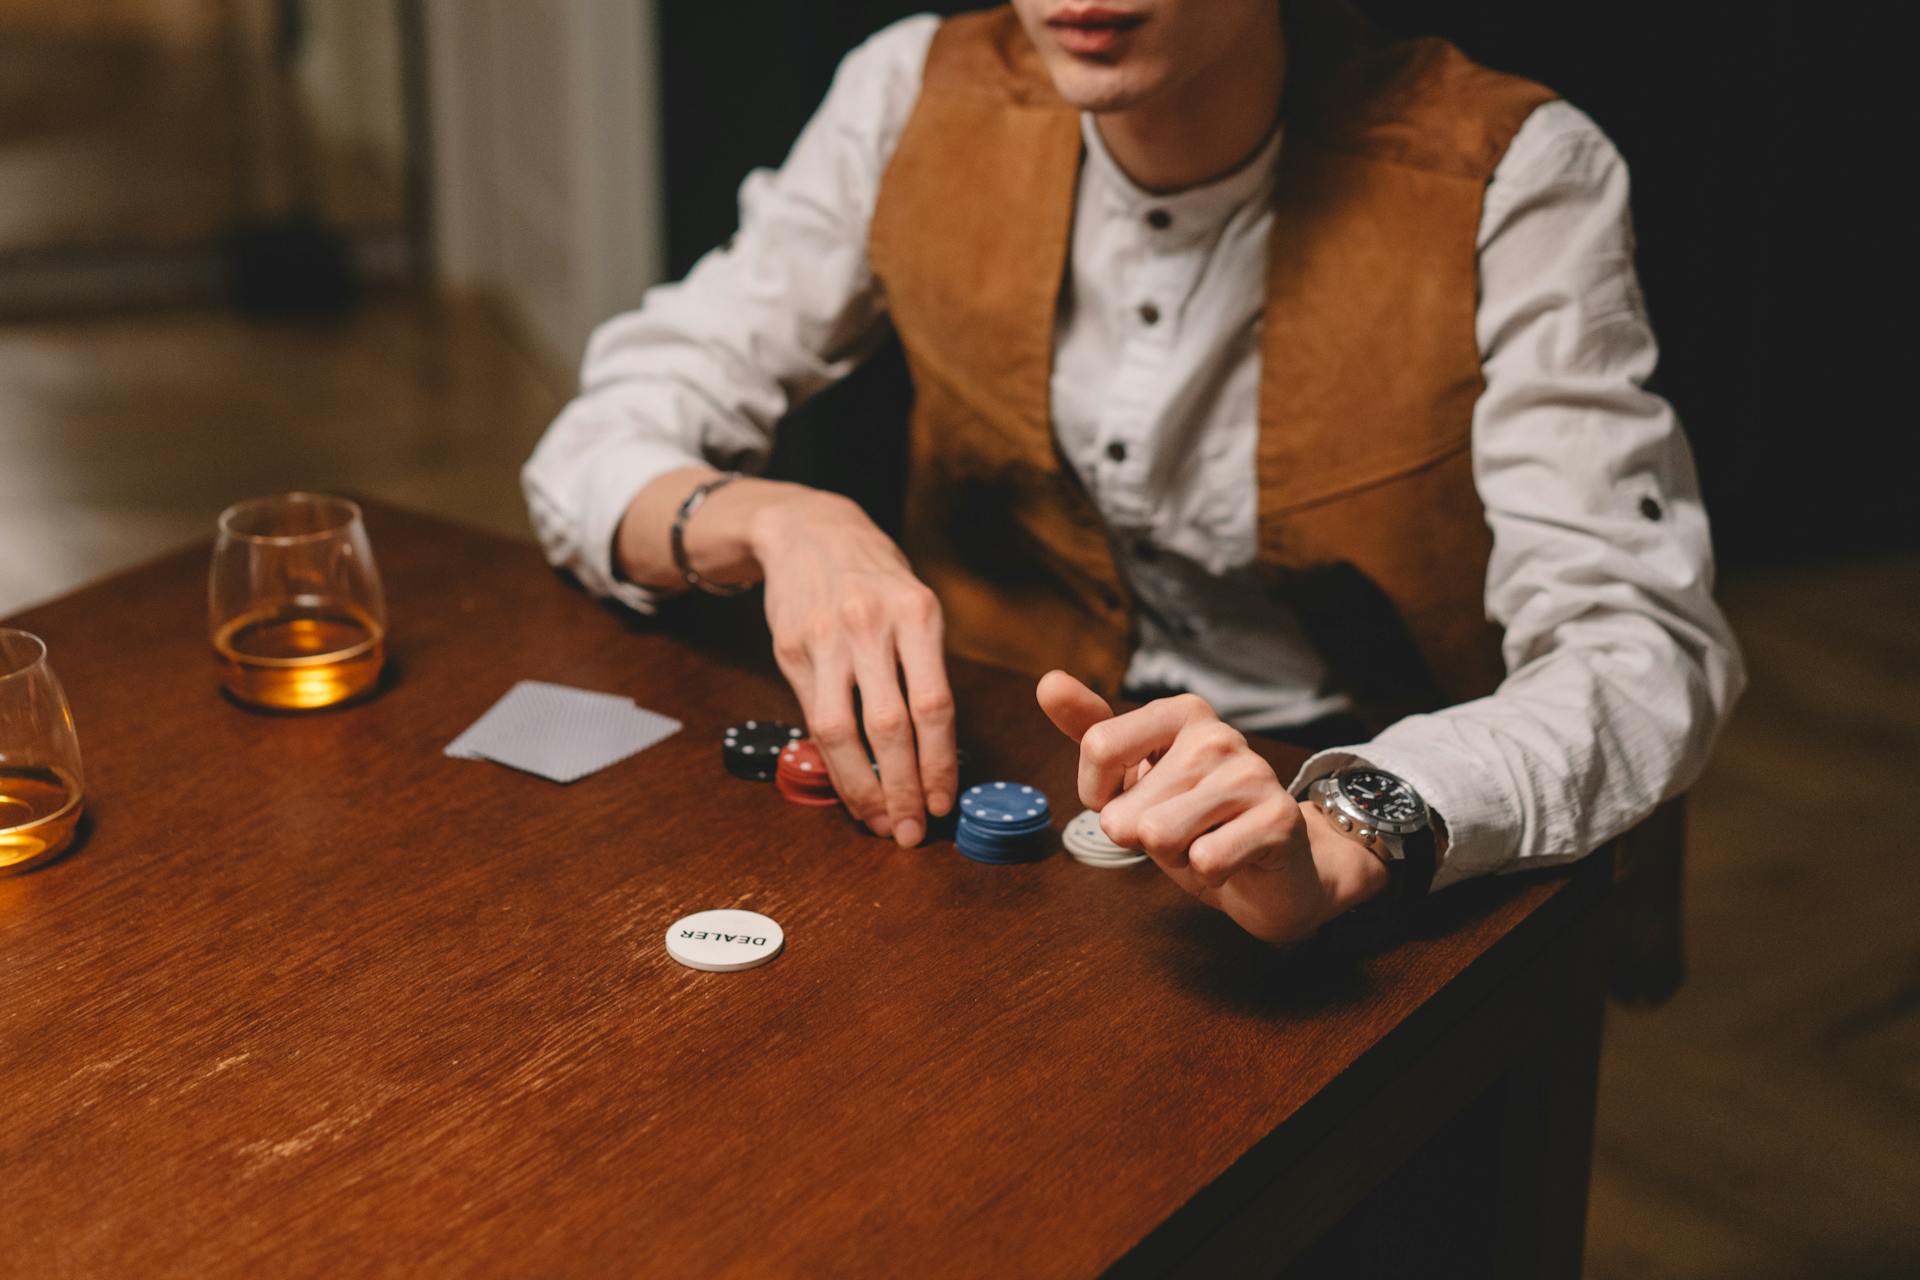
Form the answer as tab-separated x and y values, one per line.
1382	797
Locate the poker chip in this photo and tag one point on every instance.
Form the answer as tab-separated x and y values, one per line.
724	941
752	748
1003	822
1088	844
801	775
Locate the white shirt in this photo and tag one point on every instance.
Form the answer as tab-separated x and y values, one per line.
1621	669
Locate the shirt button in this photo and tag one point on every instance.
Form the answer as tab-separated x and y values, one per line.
1117	450
1149	314
1650	508
1145	550
1159	219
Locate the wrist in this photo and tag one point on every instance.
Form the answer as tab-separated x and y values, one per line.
1354	874
770	510
716	535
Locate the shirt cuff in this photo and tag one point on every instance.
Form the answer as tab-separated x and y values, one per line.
617	475
1482	821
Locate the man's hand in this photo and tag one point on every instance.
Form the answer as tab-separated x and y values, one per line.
847	612
1176	781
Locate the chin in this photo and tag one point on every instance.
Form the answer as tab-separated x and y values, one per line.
1101	89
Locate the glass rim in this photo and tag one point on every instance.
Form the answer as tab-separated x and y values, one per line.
37	660
352	515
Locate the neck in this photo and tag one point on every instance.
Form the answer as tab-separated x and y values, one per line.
1207	126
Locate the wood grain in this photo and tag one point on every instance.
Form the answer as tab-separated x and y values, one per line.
313	998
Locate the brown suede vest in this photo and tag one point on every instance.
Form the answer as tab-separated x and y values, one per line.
1369	523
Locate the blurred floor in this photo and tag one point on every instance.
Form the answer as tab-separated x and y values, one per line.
1767	1123
122	436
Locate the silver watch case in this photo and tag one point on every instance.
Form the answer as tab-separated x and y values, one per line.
1383	838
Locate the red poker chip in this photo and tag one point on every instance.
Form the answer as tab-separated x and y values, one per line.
801	775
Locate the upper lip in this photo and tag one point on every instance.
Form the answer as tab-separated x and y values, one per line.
1093	15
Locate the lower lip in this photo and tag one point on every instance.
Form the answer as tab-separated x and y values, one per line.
1093	40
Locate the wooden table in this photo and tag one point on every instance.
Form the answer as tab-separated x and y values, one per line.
312	998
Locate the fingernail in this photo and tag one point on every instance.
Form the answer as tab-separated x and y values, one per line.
939	805
881	825
909	833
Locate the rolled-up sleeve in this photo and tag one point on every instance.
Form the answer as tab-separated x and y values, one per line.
703	369
1621	667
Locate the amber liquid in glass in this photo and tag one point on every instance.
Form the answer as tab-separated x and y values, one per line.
298	656
39	809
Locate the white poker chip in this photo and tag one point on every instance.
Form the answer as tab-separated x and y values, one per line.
1088	844
725	940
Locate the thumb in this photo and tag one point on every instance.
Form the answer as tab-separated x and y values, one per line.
1071	706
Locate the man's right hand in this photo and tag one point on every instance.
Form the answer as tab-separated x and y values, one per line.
847	613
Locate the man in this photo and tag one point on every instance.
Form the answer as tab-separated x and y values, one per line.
1256	359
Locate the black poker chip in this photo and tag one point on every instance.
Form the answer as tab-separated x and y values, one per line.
751	749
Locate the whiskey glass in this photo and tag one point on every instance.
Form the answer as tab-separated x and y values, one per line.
294	604
40	780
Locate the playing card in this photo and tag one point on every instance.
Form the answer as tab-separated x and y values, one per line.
561	733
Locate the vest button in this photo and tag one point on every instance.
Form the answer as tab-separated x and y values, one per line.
1149	314
1159	219
1145	550
1117	450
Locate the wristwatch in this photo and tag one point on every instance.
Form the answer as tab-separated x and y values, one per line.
1384	813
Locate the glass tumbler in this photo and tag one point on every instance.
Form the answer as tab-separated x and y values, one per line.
294	603
40	779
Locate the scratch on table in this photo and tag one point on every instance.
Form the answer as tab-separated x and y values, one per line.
266	1151
95	1068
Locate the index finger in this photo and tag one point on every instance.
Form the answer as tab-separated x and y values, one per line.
1110	748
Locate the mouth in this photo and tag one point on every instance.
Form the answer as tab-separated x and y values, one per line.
1094	30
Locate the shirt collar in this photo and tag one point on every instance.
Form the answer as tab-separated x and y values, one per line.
1195	211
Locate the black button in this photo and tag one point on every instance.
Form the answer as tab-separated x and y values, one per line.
1149	314
1650	508
1159	219
1117	450
1108	596
1145	550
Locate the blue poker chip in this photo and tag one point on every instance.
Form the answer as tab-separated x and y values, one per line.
1002	823
985	834
998	862
1003	849
1032	851
988	837
1004	804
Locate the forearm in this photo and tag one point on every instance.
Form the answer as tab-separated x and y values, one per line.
724	540
1573	749
698	376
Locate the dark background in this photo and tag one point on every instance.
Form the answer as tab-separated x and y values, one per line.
1764	204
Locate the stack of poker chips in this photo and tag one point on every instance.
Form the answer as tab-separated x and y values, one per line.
1085	840
802	775
752	748
1003	822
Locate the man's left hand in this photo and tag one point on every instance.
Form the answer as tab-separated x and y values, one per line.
1176	781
